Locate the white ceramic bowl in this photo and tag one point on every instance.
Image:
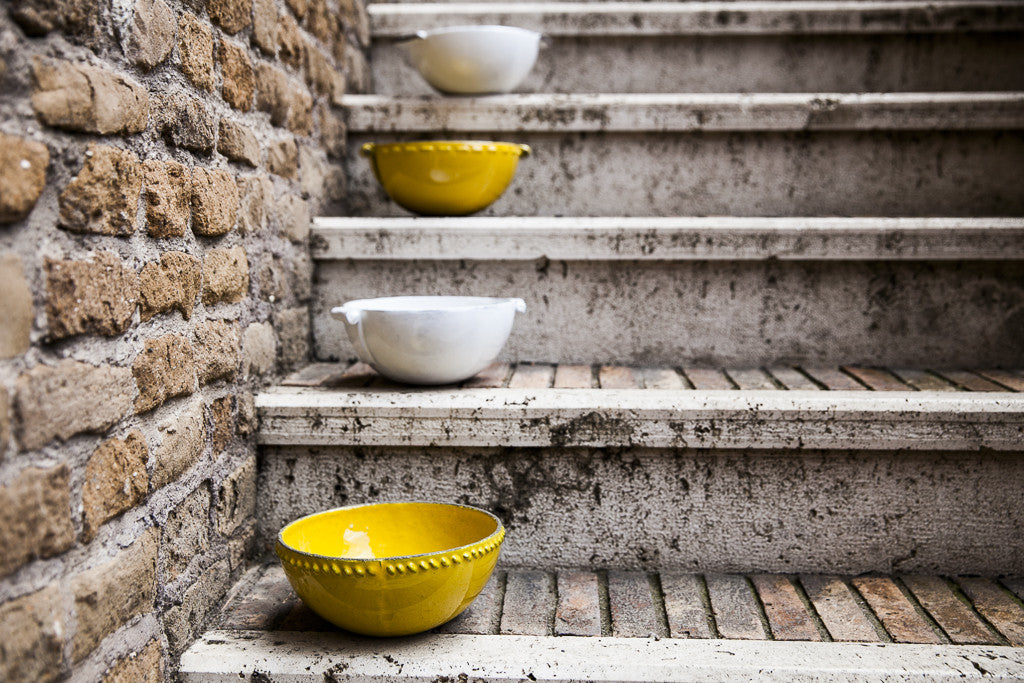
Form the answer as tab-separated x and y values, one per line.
429	339
474	60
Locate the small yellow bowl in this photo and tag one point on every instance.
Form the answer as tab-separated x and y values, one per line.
439	178
391	569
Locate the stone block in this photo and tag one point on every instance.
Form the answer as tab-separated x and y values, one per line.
109	595
357	70
353	15
195	45
333	132
5	421
223	422
216	346
236	500
104	197
239	81
96	296
35	517
184	622
293	217
264	26
230	15
146	666
22	175
283	159
168	191
320	21
32	630
259	349
291	46
172	283
312	170
16	310
225	275
182	442
152	33
292	326
214	202
247	420
187	123
300	112
60	400
115	481
88	99
165	368
78	19
298	7
186	533
255	192
240	547
321	75
238	143
273	93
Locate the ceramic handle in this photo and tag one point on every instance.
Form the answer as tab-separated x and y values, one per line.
351	315
368	150
525	151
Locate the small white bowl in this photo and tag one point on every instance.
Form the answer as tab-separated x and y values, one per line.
428	339
474	60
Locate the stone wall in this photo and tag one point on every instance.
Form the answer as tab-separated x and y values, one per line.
159	162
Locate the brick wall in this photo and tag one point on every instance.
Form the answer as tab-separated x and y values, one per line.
159	162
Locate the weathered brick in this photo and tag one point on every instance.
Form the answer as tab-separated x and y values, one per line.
107	596
188	123
290	44
32	631
283	159
183	440
225	275
97	296
321	75
335	184
259	349
168	191
298	7
280	279
320	21
104	197
60	400
223	422
236	500
172	283
216	348
240	547
264	26
214	202
22	175
185	621
142	667
273	94
247	417
292	326
5	421
230	15
152	33
76	18
165	368
333	132
300	113
312	171
195	45
88	99
35	517
293	217
255	191
357	70
115	481
239	83
238	143
16	311
186	533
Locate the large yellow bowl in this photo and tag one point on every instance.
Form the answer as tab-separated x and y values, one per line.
439	178
391	569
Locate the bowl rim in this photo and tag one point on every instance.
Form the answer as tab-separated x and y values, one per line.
439	303
475	28
499	531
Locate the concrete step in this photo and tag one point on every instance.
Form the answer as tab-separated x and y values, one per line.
771	154
803	46
711	479
706	291
621	625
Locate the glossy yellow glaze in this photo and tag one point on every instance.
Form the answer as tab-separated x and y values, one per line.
439	178
391	569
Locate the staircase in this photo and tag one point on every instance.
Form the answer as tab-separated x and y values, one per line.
764	416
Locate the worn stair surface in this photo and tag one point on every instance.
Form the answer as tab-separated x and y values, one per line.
582	624
733	46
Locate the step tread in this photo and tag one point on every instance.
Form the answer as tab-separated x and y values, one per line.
557	19
666	238
687	112
898	616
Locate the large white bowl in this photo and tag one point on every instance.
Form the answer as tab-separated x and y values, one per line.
428	339
474	60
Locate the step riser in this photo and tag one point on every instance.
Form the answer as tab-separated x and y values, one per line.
883	173
753	511
857	63
740	314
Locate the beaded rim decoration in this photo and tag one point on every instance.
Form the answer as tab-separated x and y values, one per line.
477	146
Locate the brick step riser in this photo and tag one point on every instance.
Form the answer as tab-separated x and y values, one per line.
734	313
867	173
753	63
748	511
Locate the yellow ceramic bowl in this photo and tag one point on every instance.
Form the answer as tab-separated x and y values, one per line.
438	178
391	569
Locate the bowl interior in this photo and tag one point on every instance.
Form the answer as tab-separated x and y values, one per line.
389	530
